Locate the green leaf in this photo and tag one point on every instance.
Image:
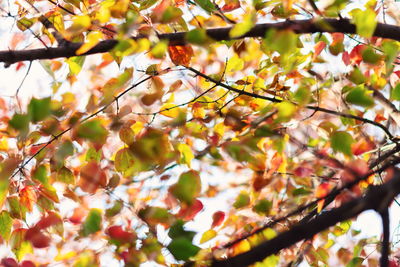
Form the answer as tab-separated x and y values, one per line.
357	77
20	122
182	249
244	26
93	130
155	215
365	21
92	224
396	92
207	5
263	207
242	200
177	231
93	155
355	262
5	224
197	36
17	210
341	142
39	109
115	209
75	64
188	187
283	42
66	176
40	174
360	96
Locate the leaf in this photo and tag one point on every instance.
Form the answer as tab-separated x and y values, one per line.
92	39
117	233
206	5
197	36
244	26
39	109
28	197
341	142
180	55
395	95
186	154
124	160
360	97
182	249
242	200
20	122
66	176
92	223
92	177
188	187
115	209
156	215
93	130
5	224
187	213
365	21
75	64
218	217
208	235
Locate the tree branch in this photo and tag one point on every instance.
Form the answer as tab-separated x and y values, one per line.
377	198
218	34
385	250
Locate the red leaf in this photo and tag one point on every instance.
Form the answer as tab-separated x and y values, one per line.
9	262
218	218
37	238
189	212
346	58
356	54
49	220
116	232
27	264
303	171
180	54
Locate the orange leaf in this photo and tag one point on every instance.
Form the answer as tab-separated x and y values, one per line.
180	54
318	48
346	58
28	197
92	177
356	54
321	191
230	5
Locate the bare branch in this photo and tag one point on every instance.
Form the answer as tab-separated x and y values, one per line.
218	34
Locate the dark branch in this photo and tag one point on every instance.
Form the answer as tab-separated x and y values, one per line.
218	34
384	261
377	198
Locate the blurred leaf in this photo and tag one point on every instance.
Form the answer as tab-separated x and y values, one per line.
5	224
180	55
244	26
341	142
365	21
92	223
360	96
93	130
242	200
188	187
39	109
182	249
208	235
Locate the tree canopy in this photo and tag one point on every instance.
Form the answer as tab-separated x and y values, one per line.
199	133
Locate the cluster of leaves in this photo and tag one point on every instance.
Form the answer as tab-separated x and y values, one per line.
101	163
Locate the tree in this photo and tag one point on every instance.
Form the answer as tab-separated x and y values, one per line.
158	111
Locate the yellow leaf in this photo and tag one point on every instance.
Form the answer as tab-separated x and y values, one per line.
79	25
65	256
243	27
3	144
170	110
92	39
186	153
208	235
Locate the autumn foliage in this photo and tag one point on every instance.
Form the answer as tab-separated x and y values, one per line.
200	133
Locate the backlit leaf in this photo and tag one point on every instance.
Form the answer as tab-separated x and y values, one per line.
93	130
188	187
5	224
244	26
208	235
341	142
92	223
180	55
92	177
39	109
365	21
